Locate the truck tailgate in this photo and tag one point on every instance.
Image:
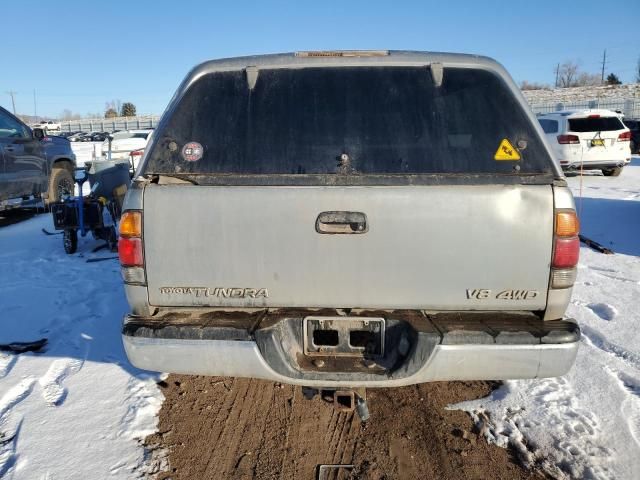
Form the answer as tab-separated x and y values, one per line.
449	247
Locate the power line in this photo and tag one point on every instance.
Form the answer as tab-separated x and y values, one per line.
13	100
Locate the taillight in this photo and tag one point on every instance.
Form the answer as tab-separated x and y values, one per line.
568	139
566	252
566	249
567	223
130	249
130	252
624	137
131	224
137	153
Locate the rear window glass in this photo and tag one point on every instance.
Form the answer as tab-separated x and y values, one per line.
549	126
595	124
358	120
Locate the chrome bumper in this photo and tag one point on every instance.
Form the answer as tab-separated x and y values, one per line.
243	358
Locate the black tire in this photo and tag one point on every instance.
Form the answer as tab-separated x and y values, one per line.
612	172
60	183
70	241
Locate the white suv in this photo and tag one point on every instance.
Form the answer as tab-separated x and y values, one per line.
588	140
47	125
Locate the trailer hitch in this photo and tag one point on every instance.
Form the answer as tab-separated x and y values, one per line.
343	400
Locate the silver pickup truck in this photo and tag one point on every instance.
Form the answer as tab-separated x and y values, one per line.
350	219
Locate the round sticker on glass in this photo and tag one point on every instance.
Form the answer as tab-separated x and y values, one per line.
192	152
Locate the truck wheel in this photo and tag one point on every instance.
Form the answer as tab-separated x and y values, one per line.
70	241
61	183
612	172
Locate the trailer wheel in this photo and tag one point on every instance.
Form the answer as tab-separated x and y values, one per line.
70	241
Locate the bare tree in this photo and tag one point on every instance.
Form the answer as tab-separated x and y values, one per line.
567	74
113	105
67	115
587	79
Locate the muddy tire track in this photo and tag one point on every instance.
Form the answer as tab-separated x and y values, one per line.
221	428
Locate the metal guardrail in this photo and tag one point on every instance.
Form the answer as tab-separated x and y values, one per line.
630	107
110	124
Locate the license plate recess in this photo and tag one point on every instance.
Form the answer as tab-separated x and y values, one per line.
344	336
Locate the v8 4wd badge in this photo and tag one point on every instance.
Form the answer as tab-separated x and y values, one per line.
483	294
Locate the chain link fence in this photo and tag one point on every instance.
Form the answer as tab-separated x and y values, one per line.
110	124
630	107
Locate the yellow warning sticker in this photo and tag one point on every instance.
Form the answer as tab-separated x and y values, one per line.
506	151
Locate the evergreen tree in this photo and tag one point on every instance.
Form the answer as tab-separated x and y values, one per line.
128	109
612	79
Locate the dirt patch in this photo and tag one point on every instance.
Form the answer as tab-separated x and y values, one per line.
236	428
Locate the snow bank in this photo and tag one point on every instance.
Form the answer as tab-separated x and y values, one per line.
77	409
586	424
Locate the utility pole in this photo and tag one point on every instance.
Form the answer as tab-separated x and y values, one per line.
557	73
35	105
604	61
13	100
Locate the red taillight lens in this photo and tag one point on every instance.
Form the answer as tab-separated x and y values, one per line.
568	139
624	137
130	252
137	153
566	253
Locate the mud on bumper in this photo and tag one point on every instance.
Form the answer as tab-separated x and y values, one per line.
418	347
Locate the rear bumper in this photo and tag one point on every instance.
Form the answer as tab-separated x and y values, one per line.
595	165
270	353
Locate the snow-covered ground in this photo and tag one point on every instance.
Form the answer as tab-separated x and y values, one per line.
587	423
77	410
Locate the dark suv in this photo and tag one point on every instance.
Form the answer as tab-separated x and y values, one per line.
32	163
634	126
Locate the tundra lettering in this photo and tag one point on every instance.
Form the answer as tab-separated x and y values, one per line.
216	292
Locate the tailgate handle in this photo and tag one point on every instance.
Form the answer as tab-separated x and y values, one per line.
342	222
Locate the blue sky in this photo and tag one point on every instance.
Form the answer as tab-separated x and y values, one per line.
77	55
